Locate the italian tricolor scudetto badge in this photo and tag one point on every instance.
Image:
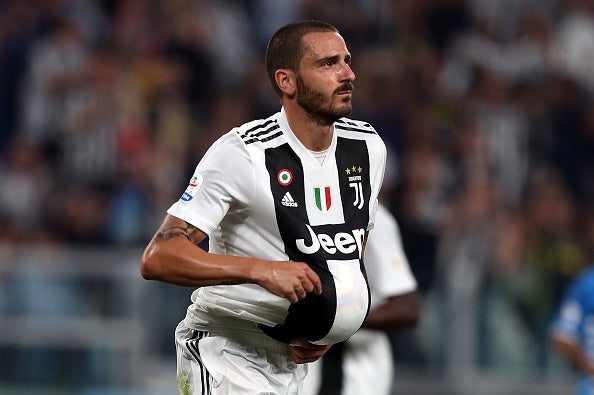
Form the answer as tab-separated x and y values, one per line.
322	197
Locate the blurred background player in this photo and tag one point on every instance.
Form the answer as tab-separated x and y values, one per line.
573	329
364	364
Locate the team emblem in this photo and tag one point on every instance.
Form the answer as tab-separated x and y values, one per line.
355	182
284	177
323	198
359	199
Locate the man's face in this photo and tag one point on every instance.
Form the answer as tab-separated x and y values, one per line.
325	78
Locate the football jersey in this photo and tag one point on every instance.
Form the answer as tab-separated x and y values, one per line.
258	192
575	322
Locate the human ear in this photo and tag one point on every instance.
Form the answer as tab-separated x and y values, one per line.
285	79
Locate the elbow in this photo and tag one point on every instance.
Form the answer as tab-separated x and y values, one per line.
414	318
410	312
149	264
414	315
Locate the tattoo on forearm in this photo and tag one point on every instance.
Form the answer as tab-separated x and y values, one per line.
178	231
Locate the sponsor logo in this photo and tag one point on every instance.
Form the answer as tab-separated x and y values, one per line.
186	197
323	198
343	242
288	200
284	177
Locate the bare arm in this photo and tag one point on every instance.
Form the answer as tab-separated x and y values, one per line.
173	256
574	355
396	312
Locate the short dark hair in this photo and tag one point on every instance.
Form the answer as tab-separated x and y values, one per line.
285	48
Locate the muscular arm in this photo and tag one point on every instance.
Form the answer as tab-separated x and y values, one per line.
574	354
173	256
396	312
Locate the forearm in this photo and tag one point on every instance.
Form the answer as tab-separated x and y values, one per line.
173	256
179	261
397	312
574	354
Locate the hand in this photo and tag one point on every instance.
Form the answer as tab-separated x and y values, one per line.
290	280
305	352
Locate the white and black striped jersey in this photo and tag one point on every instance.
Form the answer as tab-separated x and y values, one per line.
258	192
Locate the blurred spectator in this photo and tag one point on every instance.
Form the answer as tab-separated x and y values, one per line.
26	183
505	131
574	41
53	73
464	259
555	254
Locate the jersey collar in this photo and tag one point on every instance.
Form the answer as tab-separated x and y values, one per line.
305	155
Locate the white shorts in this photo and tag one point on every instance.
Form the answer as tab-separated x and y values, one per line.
216	364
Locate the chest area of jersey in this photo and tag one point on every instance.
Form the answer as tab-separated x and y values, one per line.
321	207
326	194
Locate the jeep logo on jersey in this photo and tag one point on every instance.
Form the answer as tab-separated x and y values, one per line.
343	242
322	198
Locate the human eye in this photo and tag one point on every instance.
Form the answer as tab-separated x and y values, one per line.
329	62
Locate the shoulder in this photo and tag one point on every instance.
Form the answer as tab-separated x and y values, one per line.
586	279
353	127
360	130
259	131
582	286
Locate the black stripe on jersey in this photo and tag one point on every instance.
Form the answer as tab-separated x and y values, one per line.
354	127
263	132
354	153
352	160
192	346
312	318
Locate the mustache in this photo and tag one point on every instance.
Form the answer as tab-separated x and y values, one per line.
346	87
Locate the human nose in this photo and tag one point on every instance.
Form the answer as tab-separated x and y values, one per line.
346	73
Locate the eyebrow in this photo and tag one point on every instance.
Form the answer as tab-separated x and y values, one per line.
334	59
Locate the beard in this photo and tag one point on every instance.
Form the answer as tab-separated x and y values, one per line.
319	107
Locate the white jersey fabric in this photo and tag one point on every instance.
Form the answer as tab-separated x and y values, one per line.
258	192
367	363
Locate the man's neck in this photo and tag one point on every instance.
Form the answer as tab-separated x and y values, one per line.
311	134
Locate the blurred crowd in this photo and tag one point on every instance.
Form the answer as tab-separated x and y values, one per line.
486	107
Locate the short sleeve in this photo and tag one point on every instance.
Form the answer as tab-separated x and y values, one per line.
222	181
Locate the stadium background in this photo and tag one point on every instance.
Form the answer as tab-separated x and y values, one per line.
106	106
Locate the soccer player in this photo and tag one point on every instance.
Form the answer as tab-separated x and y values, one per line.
573	329
363	364
287	202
